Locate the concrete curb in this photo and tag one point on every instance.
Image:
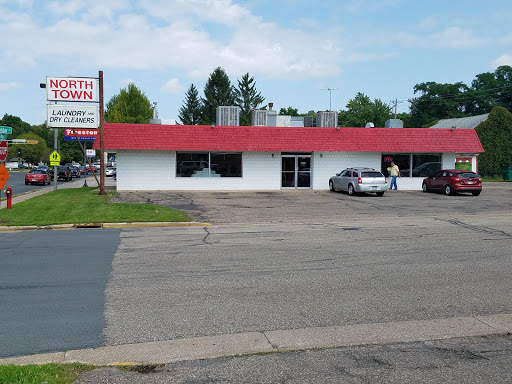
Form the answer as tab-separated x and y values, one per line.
250	343
101	225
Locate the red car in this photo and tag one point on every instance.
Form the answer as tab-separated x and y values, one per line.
451	181
38	176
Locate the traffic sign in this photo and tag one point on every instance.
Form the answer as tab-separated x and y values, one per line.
6	130
3	150
4	175
54	158
3	136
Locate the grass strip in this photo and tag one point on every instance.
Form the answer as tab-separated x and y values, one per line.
45	373
84	205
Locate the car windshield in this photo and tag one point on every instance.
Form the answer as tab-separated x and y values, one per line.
371	174
468	175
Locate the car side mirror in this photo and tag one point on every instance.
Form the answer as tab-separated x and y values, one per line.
337	174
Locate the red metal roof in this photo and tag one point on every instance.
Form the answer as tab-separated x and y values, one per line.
287	139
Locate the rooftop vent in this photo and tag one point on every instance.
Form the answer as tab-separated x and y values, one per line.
228	116
327	119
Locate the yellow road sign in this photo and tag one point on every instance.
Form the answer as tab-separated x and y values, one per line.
54	158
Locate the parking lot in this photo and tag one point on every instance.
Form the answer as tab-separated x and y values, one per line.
308	206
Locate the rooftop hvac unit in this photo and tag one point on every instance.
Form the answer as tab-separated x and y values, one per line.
229	116
259	118
327	119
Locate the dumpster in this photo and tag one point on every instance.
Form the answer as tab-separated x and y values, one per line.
506	172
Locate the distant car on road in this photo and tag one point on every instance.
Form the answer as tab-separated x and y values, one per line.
38	176
355	180
451	181
75	172
83	170
110	171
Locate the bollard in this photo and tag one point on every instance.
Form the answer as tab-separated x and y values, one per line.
8	193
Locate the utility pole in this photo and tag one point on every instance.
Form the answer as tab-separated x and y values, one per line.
395	104
330	92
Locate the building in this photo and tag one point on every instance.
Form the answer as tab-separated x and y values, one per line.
199	157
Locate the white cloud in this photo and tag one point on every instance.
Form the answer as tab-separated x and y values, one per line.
502	60
6	87
172	86
125	82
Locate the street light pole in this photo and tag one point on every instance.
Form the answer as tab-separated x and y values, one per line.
330	93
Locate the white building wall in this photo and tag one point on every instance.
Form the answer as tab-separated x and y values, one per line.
327	164
156	170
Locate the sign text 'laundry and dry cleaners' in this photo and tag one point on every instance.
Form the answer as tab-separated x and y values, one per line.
72	116
71	89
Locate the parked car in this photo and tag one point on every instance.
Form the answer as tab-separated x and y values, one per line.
110	171
355	180
91	168
451	181
38	176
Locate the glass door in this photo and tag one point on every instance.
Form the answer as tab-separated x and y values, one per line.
296	171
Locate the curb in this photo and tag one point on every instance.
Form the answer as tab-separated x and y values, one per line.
277	341
100	225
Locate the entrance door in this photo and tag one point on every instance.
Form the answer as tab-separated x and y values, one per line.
296	171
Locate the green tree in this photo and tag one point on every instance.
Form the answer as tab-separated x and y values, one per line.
489	90
190	112
218	92
289	111
361	110
32	153
18	126
247	98
130	105
438	101
495	134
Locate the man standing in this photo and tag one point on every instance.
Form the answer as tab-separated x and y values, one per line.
394	172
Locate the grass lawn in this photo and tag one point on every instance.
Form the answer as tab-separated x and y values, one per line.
37	374
84	205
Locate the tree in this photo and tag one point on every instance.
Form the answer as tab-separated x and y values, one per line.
361	110
289	111
438	101
190	112
217	92
32	153
247	98
489	90
495	134
18	126
129	106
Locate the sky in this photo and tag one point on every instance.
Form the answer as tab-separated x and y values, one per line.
304	54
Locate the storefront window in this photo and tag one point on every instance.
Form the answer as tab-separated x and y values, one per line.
403	161
206	164
423	164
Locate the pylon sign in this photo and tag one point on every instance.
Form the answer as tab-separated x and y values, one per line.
71	89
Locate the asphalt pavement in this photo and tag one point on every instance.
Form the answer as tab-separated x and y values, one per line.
309	270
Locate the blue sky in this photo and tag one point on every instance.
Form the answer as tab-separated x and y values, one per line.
293	48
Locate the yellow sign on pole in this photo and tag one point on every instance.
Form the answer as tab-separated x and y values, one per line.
54	158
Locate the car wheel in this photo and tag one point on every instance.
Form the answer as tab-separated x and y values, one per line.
380	193
26	183
448	190
424	187
351	190
476	193
331	186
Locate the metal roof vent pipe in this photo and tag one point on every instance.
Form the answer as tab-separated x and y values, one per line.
369	125
155	119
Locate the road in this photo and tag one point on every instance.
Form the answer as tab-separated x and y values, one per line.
285	261
17	181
